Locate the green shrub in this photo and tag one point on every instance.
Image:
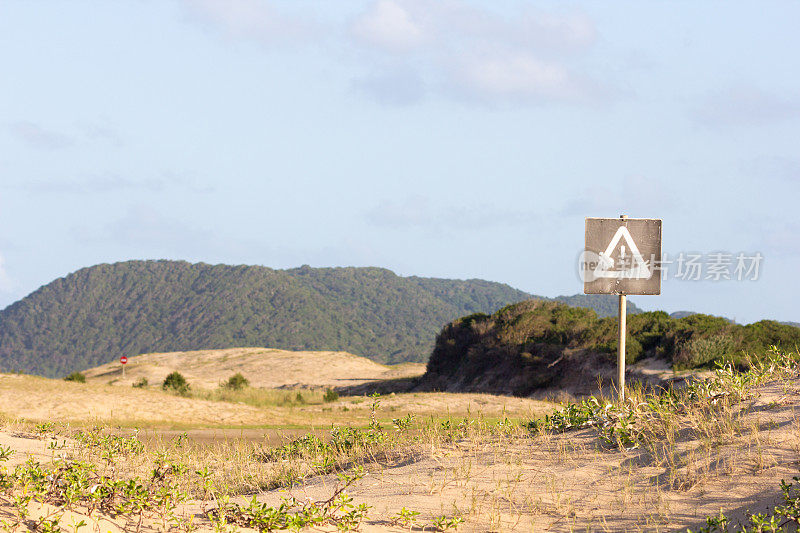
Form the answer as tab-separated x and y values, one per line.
140	383
175	382
237	382
330	396
704	351
633	349
77	377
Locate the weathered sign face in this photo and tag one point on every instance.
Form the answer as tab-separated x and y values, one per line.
622	256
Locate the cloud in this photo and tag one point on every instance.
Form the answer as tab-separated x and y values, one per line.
519	76
417	212
466	51
110	183
388	25
249	19
38	137
744	106
405	25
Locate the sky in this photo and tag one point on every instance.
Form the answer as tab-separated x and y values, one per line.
445	138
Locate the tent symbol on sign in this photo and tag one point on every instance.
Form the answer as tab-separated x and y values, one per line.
629	262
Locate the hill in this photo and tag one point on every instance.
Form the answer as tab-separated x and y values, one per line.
533	345
602	304
99	313
266	368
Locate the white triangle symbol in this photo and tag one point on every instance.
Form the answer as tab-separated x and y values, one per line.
638	266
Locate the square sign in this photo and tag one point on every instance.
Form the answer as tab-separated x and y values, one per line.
622	256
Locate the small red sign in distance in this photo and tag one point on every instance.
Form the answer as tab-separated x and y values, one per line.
123	359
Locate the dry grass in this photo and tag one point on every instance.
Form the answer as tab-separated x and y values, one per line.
265	368
40	400
679	459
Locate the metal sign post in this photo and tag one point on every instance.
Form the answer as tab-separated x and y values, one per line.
623	333
622	256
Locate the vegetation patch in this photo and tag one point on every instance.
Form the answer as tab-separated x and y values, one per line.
524	347
77	377
175	382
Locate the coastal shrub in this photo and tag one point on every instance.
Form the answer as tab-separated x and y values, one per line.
175	382
237	382
330	396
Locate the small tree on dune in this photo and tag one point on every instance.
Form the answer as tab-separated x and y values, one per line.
175	382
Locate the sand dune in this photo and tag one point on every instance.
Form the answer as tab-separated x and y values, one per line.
263	367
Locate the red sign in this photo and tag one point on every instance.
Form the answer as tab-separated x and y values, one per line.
123	359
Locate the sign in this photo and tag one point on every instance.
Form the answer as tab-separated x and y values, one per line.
123	359
622	256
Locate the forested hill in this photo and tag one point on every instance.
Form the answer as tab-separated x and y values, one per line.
98	313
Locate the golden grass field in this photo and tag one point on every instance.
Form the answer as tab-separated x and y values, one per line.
459	457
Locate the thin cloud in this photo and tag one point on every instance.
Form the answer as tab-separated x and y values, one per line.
782	238
250	19
635	195
105	184
521	76
38	137
404	25
102	132
146	227
744	106
399	87
417	212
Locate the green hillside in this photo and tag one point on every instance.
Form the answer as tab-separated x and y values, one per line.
602	304
96	314
536	343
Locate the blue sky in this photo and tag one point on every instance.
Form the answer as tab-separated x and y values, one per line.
450	138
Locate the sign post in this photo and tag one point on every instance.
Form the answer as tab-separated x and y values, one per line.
623	333
622	256
123	361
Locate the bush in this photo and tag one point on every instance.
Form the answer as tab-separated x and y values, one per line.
141	383
633	349
76	376
175	382
237	382
330	396
704	351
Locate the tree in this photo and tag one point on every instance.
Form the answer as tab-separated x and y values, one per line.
175	382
